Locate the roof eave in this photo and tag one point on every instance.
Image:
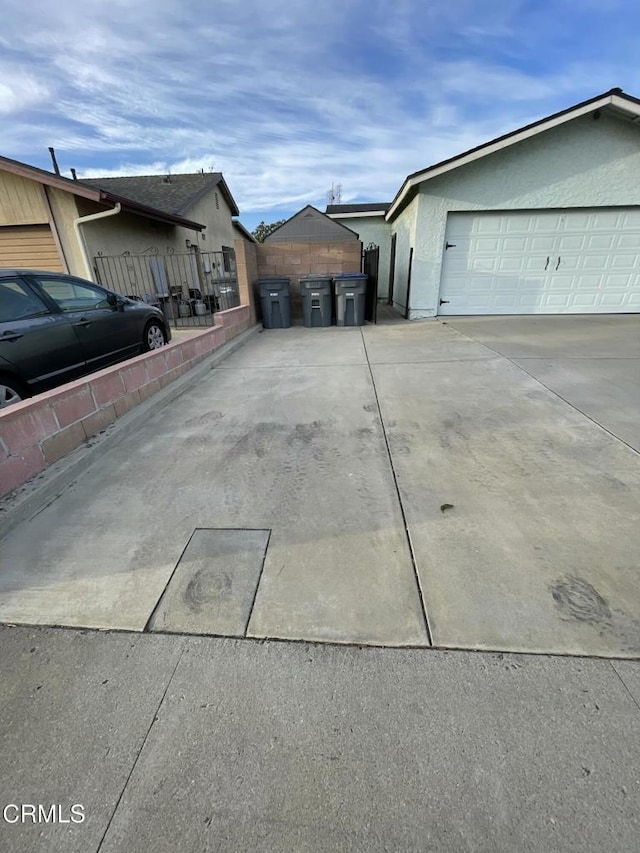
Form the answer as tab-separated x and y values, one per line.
31	173
150	212
358	215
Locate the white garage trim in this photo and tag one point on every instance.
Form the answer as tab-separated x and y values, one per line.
578	261
29	247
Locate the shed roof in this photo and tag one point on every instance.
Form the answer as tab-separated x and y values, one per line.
310	225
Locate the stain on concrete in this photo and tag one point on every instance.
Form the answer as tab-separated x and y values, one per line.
204	587
370	407
203	420
581	601
452	430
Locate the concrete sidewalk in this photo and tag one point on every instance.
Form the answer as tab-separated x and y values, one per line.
199	744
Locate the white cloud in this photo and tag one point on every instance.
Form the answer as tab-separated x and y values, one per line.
284	98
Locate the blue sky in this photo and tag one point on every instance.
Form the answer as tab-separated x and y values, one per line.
288	98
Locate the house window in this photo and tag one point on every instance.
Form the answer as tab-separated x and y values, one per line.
229	259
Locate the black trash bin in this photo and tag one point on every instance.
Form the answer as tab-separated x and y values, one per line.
317	293
275	301
351	297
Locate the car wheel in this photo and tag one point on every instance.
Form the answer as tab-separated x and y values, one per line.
11	392
154	336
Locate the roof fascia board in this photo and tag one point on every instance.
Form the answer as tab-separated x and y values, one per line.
362	213
56	181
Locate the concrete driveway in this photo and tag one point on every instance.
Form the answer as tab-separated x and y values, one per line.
469	484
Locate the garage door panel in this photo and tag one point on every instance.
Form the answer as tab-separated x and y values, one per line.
549	262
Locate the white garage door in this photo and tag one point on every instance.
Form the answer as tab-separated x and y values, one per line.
547	262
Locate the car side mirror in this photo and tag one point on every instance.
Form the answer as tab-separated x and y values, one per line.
115	301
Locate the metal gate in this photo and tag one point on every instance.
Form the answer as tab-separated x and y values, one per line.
189	287
370	262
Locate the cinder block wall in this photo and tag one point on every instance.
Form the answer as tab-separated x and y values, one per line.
247	271
38	431
295	260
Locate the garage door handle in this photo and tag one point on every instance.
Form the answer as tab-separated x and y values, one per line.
444	301
10	336
547	264
558	264
83	323
448	245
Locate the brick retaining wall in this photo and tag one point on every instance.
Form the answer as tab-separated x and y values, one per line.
39	431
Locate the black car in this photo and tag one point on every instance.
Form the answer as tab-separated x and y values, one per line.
55	328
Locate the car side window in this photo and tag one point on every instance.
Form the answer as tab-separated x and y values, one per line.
72	295
18	302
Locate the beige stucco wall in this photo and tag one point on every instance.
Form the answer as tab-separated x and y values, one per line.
219	229
404	227
584	163
65	210
373	229
127	232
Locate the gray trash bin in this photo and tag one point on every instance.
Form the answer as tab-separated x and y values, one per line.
317	296
275	301
351	296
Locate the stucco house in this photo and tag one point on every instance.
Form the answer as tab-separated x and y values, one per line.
542	220
53	222
368	221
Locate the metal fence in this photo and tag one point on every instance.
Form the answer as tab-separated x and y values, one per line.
189	287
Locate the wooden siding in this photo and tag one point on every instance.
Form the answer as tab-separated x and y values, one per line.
29	247
21	201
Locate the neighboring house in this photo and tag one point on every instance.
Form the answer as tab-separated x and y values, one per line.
310	225
308	243
368	221
52	222
41	220
543	220
200	197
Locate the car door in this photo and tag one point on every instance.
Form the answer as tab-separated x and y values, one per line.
37	344
107	333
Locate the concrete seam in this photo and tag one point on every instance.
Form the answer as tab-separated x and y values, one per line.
402	512
624	684
147	624
255	594
142	746
351	644
555	393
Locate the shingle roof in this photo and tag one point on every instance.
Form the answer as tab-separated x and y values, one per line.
357	208
95	192
172	193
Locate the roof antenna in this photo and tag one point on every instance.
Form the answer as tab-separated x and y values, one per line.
56	168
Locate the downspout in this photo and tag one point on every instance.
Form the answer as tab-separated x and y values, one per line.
81	220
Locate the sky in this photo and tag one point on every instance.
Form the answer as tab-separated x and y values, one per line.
288	98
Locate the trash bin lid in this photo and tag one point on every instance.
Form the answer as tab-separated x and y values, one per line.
276	283
350	275
318	282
